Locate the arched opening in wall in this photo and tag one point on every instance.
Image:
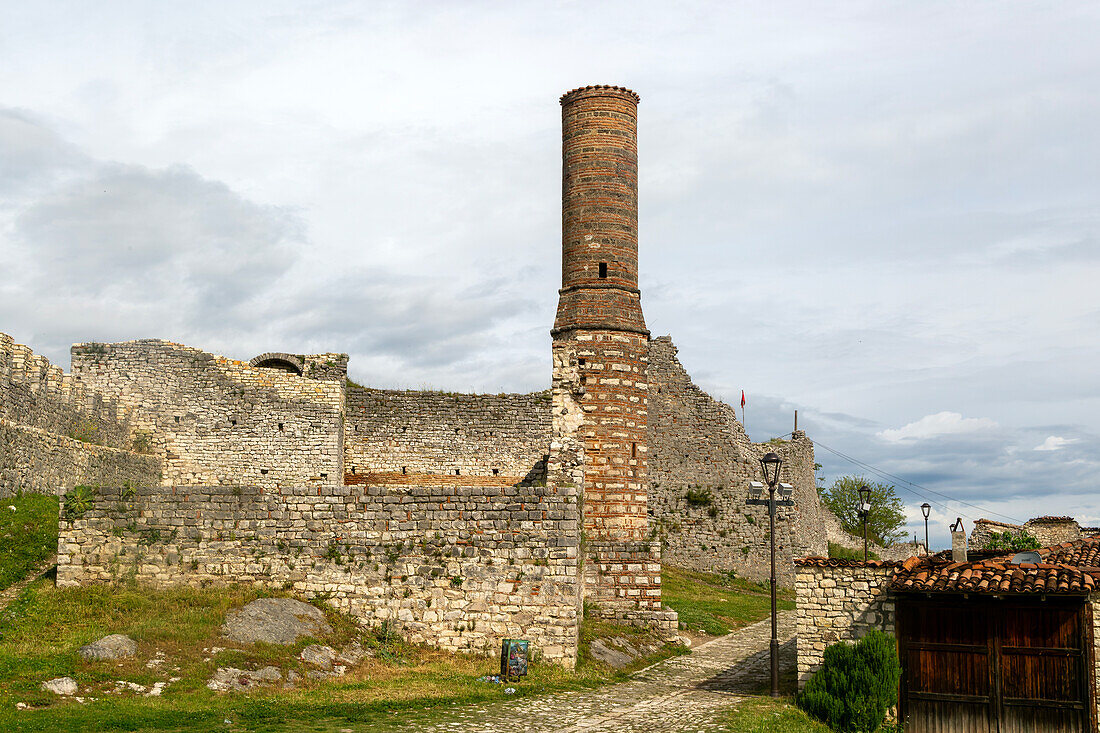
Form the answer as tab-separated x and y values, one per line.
283	362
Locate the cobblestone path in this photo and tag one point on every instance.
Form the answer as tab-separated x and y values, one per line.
686	693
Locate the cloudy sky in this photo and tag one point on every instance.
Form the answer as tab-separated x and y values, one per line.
885	215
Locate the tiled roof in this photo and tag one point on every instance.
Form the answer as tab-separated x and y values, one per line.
1070	567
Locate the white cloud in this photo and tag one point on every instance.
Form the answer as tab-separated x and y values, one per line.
934	426
1055	442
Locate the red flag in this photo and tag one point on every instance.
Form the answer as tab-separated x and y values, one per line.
742	399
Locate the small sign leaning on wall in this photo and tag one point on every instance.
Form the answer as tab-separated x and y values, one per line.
513	658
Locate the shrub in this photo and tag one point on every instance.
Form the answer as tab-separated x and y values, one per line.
698	497
855	685
78	501
1013	541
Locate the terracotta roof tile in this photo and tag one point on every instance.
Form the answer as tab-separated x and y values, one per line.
1068	567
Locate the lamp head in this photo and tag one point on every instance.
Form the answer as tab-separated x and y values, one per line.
926	508
785	491
755	489
770	464
864	500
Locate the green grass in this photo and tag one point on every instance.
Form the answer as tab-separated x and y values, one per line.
716	604
28	535
772	715
42	630
840	552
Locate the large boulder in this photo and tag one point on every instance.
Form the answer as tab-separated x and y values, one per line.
275	621
319	656
115	646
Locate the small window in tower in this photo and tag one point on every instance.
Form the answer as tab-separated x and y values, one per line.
633	450
457	473
496	471
581	361
403	469
603	270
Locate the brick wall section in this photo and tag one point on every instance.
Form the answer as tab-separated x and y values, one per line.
839	600
1094	609
390	431
38	461
697	445
216	420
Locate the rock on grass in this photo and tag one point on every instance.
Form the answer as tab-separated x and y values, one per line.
115	646
275	621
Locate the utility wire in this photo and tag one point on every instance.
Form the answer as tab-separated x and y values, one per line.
887	475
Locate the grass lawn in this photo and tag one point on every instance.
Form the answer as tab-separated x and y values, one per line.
772	715
42	630
716	604
28	535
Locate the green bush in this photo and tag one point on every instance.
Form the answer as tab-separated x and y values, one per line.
699	497
855	685
1013	542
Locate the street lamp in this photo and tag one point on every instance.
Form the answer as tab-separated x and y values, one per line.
770	465
864	509
926	509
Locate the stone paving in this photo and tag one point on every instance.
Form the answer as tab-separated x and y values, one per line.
687	693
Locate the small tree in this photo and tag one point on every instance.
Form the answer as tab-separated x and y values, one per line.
855	685
886	521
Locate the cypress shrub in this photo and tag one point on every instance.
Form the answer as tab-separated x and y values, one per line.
855	685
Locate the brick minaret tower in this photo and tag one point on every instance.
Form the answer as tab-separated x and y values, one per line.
601	333
599	309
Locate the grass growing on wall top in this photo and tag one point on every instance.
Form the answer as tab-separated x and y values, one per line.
840	552
716	604
28	535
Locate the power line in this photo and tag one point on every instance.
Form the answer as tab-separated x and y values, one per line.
887	475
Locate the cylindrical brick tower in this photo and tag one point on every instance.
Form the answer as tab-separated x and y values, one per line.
599	307
599	218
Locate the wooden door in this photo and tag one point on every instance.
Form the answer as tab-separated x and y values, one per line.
983	665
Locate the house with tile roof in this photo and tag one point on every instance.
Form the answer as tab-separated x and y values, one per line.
988	640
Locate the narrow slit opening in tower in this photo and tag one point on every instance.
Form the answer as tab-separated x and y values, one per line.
633	450
603	270
496	471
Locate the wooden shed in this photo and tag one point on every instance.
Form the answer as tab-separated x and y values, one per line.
1001	644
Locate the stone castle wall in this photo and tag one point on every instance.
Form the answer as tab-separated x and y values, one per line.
56	432
701	462
456	566
839	600
214	420
401	431
1047	530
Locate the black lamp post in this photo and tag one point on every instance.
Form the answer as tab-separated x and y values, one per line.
770	465
926	509
864	509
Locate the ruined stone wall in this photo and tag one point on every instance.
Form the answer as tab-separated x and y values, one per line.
456	566
56	432
219	421
35	393
1047	530
38	461
399	431
839	600
701	462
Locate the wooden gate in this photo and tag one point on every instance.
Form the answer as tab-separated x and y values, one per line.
982	665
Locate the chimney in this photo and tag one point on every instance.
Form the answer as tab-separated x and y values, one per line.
958	541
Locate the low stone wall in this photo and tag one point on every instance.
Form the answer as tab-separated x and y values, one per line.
839	600
459	567
38	461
